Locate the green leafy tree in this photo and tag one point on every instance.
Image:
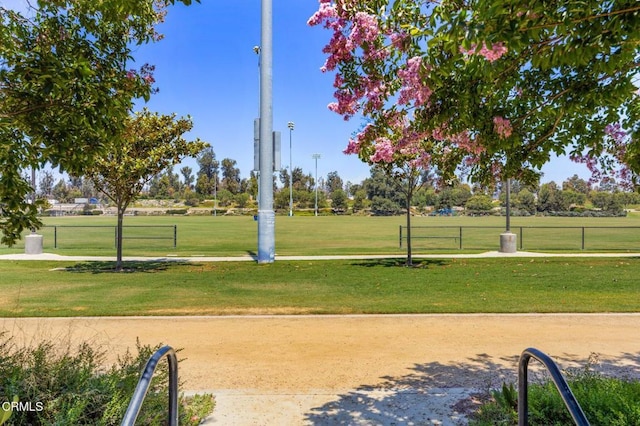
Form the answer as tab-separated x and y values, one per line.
526	200
230	176
149	144
479	203
550	198
187	177
359	200
208	174
46	184
495	87
577	184
339	201
65	88
61	192
333	182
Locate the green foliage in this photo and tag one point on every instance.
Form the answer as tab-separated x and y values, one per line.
149	144
177	211
508	83
339	201
479	203
384	207
65	88
604	400
74	386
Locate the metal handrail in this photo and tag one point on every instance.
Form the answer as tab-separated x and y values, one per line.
561	384
145	381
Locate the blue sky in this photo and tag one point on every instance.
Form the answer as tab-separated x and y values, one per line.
206	68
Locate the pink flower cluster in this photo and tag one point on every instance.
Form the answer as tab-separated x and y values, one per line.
364	135
502	127
494	53
413	87
363	32
615	132
325	13
384	151
347	104
365	29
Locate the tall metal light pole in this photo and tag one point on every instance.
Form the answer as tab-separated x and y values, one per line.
315	157
290	125
266	215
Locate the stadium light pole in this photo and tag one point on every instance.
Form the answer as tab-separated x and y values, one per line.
266	215
290	125
315	157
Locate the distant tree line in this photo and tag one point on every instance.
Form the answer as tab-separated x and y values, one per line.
379	194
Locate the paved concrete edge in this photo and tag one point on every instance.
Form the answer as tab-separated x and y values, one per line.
489	254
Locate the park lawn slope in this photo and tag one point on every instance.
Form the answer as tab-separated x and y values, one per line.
321	287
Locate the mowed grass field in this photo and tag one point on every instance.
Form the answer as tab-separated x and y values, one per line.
495	285
308	235
505	285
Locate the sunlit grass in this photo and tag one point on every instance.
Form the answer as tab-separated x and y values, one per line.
321	287
308	235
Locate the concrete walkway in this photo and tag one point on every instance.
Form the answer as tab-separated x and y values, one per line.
525	254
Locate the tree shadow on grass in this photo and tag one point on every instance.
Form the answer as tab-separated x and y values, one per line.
439	394
130	266
401	262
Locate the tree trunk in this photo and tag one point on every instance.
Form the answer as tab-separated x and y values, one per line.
121	210
409	261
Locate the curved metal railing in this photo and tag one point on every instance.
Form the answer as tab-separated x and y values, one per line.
145	381
561	384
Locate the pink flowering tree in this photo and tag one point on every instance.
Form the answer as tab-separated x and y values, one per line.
402	152
492	88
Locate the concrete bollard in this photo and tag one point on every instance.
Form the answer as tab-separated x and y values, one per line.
508	242
33	244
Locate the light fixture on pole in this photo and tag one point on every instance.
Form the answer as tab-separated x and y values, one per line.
316	157
290	125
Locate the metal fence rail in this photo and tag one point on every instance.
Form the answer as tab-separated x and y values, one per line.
145	381
577	237
173	237
561	384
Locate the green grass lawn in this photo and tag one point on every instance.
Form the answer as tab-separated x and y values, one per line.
308	235
506	285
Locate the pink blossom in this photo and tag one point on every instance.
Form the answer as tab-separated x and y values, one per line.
365	29
502	127
131	74
615	132
326	12
492	54
352	147
384	151
413	88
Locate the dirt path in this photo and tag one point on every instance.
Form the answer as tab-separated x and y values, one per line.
330	356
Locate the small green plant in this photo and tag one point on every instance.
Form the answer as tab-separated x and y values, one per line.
605	401
71	386
507	397
7	410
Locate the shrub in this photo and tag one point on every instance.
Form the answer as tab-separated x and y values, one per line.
192	202
67	386
177	211
604	400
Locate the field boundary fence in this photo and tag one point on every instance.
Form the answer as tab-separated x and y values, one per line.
529	237
171	235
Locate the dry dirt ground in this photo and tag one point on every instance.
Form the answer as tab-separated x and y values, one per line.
361	370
